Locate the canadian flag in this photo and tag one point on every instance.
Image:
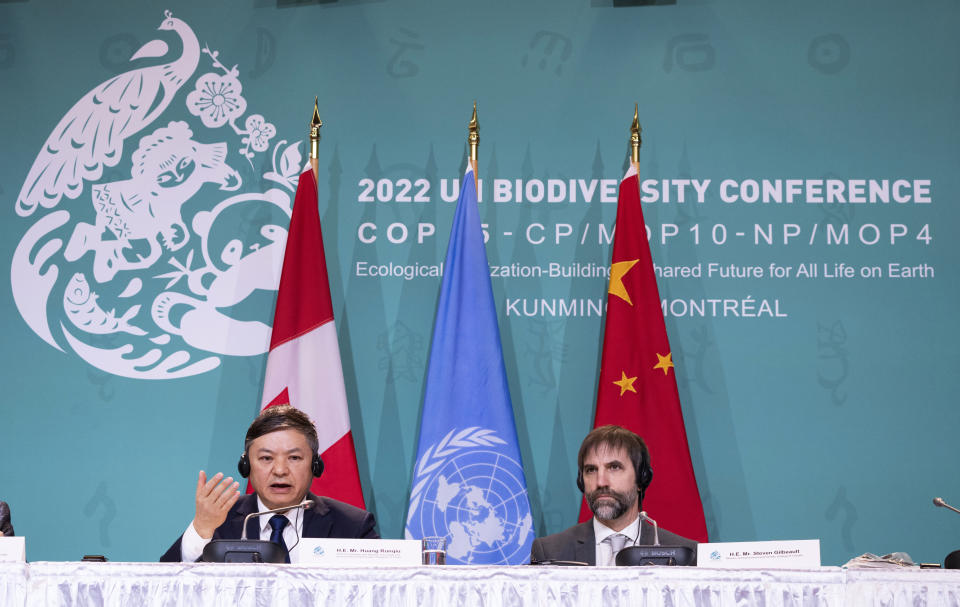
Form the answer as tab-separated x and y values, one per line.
303	366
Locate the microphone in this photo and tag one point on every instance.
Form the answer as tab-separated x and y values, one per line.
938	501
248	550
303	504
656	554
952	560
656	532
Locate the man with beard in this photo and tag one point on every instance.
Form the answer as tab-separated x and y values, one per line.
614	471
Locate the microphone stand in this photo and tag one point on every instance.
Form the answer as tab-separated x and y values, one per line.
246	550
656	531
304	504
656	554
952	560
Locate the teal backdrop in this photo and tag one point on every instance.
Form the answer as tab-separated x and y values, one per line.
818	404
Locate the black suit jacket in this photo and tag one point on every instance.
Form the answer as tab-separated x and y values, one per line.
579	543
327	518
5	525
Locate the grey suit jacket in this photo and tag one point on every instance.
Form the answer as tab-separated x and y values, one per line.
578	543
5	526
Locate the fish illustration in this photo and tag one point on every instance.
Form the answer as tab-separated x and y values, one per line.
82	309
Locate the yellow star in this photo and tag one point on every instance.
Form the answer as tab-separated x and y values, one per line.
617	270
664	362
626	383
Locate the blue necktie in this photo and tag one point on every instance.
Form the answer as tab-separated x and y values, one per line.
278	522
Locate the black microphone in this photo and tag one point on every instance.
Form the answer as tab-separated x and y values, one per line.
632	556
938	501
246	550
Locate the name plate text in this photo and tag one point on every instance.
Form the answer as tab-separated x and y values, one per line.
334	552
783	554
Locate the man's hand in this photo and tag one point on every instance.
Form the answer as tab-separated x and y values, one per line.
214	499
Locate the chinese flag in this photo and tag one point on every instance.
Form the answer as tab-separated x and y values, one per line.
303	367
638	388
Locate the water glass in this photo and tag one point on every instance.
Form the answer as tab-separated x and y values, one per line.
434	550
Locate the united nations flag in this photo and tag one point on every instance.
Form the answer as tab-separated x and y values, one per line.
468	484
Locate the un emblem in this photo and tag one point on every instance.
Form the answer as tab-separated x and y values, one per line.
468	490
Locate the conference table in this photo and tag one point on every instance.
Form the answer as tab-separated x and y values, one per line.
51	584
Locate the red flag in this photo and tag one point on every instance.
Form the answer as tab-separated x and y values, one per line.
303	367
638	388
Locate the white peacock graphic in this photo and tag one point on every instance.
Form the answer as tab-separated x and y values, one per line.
92	133
131	244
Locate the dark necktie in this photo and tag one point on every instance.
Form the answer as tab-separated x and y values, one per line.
278	522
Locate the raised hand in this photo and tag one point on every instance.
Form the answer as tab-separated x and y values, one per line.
215	497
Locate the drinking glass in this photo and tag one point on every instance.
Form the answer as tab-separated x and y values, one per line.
434	550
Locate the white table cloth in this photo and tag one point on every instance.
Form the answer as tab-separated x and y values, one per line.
67	584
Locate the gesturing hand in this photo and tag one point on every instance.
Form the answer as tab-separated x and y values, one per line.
214	499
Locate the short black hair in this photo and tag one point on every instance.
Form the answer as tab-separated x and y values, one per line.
615	437
282	417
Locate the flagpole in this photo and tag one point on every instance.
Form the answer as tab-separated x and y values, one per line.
466	400
474	139
315	124
635	139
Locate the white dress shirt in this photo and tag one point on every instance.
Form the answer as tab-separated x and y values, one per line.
191	546
601	532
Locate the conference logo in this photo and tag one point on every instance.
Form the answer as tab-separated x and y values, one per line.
467	490
145	253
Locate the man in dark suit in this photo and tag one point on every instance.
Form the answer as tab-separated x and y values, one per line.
6	528
614	471
281	459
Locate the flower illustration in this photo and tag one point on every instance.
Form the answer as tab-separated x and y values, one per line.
286	169
260	132
216	99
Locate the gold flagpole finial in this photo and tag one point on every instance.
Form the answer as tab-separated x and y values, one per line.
635	136
474	137
315	124
474	140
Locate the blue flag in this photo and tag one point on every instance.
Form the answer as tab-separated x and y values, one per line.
468	482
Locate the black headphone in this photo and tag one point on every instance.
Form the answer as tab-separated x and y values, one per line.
316	466
643	473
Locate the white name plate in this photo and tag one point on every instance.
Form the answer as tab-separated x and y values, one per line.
13	549
334	552
787	554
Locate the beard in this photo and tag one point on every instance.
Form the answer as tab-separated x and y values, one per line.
608	510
